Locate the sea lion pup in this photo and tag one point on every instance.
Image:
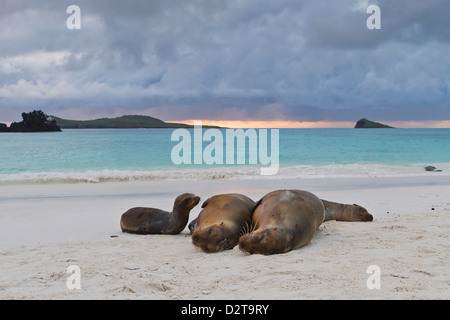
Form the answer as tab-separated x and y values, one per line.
222	220
283	220
345	212
155	221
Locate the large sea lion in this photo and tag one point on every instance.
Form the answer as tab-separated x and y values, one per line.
284	220
221	222
155	221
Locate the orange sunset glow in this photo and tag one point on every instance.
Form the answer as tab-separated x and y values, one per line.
313	124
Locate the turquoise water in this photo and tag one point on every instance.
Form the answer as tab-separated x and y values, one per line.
121	151
375	146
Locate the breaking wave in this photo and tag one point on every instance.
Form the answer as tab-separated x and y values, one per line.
230	172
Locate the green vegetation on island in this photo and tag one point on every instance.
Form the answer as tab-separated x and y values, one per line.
38	121
364	123
35	121
123	122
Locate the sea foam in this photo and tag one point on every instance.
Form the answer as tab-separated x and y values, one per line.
231	172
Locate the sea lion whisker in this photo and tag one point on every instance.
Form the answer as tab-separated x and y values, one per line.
243	230
249	227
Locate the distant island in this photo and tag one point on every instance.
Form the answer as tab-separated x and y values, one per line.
35	121
364	123
129	121
38	121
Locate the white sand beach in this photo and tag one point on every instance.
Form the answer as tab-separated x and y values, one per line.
47	227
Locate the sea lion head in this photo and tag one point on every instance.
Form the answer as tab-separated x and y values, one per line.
186	202
265	241
214	238
362	214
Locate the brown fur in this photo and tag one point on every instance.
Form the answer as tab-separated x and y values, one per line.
345	212
221	221
284	220
155	221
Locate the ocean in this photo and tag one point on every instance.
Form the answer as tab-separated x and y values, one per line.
101	155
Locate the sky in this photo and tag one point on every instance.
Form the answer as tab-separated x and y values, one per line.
293	63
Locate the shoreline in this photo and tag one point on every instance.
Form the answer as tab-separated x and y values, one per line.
46	228
324	171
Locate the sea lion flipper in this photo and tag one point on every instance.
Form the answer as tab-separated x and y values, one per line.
345	212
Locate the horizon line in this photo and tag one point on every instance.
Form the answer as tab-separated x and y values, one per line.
286	124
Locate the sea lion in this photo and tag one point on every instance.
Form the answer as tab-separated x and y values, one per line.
285	220
431	168
155	221
222	220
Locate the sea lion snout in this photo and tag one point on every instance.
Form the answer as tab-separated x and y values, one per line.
188	199
195	200
262	241
244	243
362	214
251	243
205	238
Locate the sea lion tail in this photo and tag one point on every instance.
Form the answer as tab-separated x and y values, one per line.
345	212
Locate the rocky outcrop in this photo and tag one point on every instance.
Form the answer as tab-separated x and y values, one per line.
36	121
364	123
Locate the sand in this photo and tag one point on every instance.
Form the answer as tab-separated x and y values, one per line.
45	228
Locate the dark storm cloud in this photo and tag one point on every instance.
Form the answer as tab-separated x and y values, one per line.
230	60
402	20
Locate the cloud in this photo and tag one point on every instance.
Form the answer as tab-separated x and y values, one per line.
227	60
